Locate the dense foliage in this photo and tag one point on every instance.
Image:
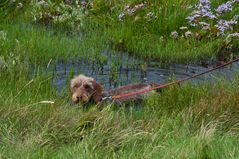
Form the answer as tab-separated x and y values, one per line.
187	121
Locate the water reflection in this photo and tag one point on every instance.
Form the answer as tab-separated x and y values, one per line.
122	69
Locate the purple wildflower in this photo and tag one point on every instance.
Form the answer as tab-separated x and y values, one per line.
210	15
202	9
193	18
224	8
204	3
84	4
224	25
131	10
203	13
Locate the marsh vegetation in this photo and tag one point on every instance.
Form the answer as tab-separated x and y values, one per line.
106	39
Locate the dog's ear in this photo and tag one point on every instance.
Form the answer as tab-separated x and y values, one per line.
74	84
97	96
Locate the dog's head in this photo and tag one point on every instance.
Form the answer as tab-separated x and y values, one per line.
85	88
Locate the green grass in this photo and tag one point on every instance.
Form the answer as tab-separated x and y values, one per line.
103	31
152	39
187	121
40	44
182	122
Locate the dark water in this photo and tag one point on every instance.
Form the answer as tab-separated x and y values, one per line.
122	69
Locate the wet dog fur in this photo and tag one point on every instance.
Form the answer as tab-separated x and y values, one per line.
85	89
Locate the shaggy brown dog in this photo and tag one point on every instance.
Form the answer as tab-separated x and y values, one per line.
130	88
85	88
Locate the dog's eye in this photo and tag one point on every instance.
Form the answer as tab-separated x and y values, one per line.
87	87
76	86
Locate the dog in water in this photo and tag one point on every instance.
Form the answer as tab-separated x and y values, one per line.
85	89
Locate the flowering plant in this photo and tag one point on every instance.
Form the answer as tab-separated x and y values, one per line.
210	22
134	10
66	14
131	10
205	18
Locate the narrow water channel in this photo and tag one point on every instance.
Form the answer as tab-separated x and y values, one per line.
122	69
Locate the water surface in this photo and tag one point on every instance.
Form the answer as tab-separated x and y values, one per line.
122	69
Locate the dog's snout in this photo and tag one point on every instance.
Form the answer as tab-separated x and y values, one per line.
84	88
75	98
79	98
